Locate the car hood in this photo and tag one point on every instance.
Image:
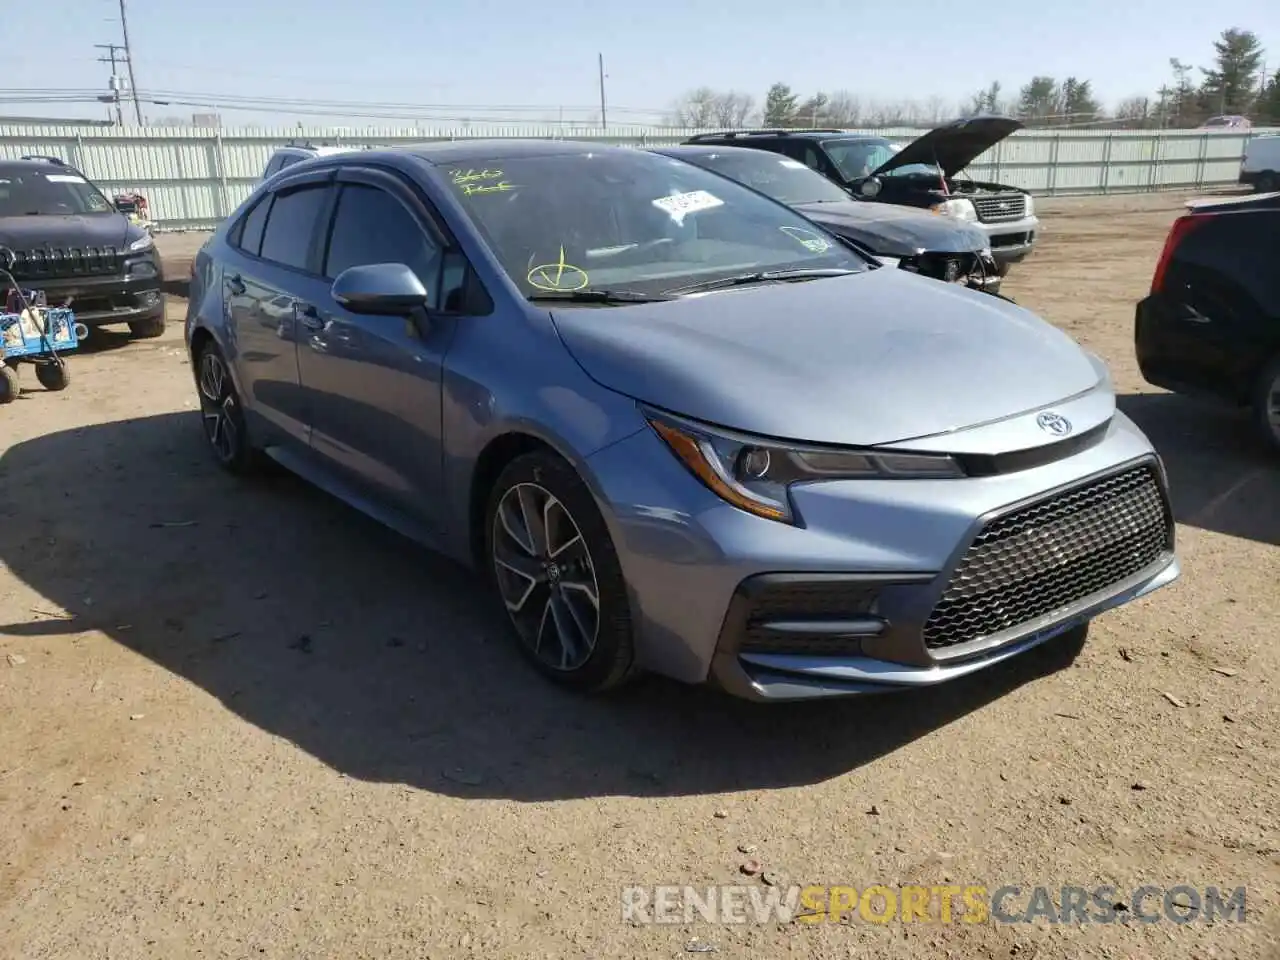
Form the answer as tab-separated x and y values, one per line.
93	230
869	359
954	146
895	231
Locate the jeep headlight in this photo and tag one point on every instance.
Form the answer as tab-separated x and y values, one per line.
1031	205
959	208
755	474
144	242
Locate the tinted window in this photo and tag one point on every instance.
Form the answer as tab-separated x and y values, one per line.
292	224
272	167
860	158
780	177
249	238
631	220
59	191
372	226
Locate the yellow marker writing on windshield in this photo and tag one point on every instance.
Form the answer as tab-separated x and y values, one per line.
558	275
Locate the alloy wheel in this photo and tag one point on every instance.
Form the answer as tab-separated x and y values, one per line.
1271	407
218	407
546	576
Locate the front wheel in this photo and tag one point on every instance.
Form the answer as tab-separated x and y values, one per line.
53	375
147	329
558	576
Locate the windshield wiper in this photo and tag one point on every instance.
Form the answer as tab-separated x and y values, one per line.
767	276
596	296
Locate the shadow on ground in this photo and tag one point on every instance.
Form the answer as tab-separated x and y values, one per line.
383	662
1221	477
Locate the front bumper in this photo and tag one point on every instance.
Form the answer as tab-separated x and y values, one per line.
868	582
98	301
1013	240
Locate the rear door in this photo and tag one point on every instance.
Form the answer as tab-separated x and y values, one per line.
276	246
375	382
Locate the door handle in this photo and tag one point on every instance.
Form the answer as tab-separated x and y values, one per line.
307	315
236	284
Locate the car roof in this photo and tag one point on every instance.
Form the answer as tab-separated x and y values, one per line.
18	166
444	152
711	149
748	135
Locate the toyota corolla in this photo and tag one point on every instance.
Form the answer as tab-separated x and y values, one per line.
677	426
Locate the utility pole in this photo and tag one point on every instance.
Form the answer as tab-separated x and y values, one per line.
128	59
604	122
112	59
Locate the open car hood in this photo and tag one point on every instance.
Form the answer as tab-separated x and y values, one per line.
953	146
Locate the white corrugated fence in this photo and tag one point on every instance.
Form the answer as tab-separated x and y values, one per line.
193	176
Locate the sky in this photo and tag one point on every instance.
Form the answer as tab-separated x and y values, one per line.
524	60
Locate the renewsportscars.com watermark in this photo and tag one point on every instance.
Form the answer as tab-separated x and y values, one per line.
973	904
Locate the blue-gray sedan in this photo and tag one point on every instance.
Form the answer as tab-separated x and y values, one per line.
680	427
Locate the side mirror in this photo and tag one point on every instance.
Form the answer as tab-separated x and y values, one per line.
382	289
870	187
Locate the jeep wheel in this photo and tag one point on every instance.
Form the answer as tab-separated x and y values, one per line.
1266	404
9	385
146	329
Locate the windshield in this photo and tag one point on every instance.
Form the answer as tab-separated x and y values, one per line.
27	193
787	181
630	220
860	158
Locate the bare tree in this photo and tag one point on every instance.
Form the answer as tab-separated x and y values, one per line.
1135	110
844	109
936	111
731	109
695	109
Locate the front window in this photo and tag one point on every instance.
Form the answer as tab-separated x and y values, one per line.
31	193
786	180
861	158
632	221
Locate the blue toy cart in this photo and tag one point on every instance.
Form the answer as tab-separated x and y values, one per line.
32	332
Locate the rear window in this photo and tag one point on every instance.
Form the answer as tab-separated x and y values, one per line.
291	225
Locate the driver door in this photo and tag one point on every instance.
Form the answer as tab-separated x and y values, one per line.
374	382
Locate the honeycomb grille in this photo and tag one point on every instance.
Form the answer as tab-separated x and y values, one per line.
1045	557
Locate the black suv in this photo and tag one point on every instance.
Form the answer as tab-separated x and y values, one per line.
924	174
70	242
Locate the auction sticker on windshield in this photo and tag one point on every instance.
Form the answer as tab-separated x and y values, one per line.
792	164
679	205
63	178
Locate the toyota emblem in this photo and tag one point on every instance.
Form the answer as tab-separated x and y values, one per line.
1054	423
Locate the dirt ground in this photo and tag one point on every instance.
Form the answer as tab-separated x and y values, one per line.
244	722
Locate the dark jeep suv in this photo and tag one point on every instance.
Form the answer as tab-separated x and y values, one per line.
71	243
924	174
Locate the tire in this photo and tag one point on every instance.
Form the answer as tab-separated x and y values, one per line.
555	611
9	385
1268	183
1266	403
147	329
53	376
221	414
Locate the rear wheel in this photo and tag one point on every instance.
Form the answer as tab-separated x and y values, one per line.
221	413
1266	404
557	574
9	385
1268	182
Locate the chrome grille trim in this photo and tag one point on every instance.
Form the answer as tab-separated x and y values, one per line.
1002	207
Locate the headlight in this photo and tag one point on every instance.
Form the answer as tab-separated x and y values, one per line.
141	270
754	474
960	209
142	243
1031	205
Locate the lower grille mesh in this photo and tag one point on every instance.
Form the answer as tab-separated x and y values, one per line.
806	601
1046	556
